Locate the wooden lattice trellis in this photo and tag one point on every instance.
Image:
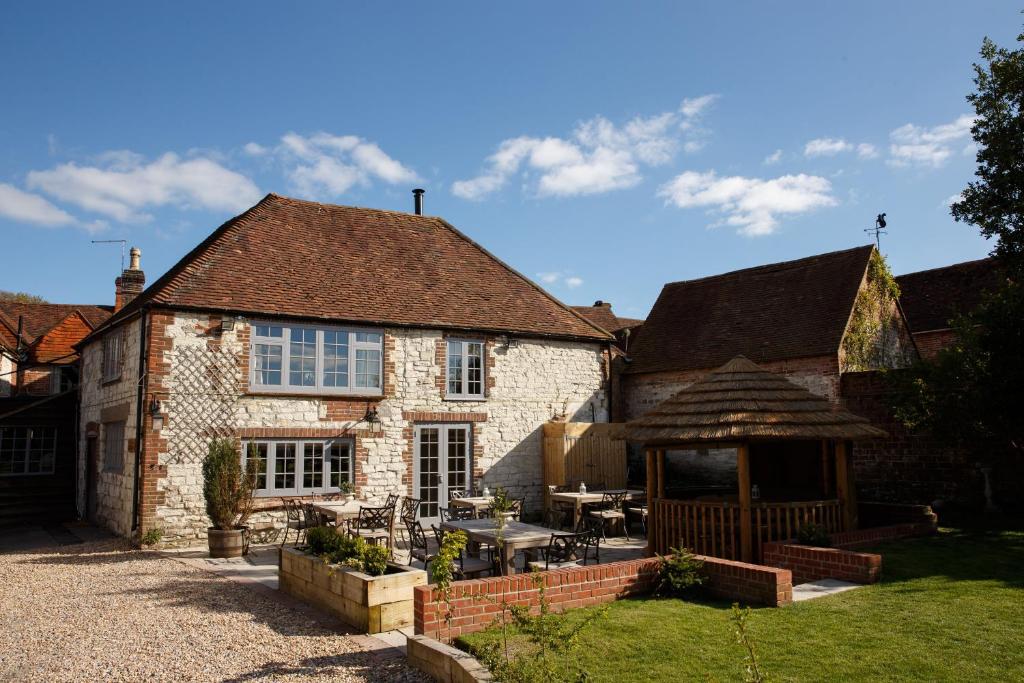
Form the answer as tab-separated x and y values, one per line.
205	388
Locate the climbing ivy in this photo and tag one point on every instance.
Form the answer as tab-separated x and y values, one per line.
873	337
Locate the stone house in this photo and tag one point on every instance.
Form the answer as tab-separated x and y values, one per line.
932	298
795	318
39	406
338	344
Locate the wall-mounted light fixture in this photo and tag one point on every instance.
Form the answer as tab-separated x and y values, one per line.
227	324
374	426
509	342
155	408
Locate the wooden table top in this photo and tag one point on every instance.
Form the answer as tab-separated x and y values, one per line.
341	507
512	532
592	496
473	501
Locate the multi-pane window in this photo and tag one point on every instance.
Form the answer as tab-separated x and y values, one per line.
465	369
324	360
113	348
300	466
27	450
113	446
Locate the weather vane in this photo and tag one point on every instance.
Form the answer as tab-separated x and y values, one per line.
878	230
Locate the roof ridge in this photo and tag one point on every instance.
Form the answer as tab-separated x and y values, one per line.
772	267
951	265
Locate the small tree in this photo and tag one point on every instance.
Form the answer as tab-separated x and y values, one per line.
228	485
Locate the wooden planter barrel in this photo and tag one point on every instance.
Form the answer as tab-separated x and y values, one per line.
372	604
229	543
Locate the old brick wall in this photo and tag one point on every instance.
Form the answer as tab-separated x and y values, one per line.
526	385
905	467
930	343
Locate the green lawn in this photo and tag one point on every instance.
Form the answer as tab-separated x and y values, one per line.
949	608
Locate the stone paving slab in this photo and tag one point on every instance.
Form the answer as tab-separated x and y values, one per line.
821	588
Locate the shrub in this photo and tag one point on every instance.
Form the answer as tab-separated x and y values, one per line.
375	560
228	486
152	537
680	574
814	534
322	540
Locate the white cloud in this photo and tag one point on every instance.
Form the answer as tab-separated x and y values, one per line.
122	185
254	149
913	145
26	207
326	165
826	147
866	150
952	199
752	205
597	157
557	276
773	158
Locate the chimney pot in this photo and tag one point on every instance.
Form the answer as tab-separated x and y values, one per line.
131	282
602	304
133	258
417	198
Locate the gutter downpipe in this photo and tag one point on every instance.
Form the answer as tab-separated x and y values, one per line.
139	405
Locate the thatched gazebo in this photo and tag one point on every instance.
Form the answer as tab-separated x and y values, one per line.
800	445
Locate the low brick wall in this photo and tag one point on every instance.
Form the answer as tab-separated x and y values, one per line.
810	564
575	587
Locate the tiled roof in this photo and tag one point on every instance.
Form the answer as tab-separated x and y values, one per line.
38	319
293	258
601	315
795	309
931	298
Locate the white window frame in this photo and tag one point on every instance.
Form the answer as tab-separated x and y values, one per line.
443	466
271	490
463	394
113	355
33	433
114	462
319	387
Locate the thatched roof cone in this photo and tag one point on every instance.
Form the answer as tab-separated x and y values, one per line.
742	401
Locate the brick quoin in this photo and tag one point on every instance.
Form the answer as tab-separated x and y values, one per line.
576	587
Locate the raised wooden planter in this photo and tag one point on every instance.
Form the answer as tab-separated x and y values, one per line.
369	603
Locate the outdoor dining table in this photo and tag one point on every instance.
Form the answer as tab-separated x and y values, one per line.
478	503
578	500
515	536
339	510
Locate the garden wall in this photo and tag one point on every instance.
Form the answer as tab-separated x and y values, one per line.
475	603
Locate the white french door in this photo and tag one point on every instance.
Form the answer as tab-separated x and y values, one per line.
442	463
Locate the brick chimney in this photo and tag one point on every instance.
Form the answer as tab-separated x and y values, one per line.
602	304
131	283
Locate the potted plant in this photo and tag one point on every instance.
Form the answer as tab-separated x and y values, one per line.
348	490
229	488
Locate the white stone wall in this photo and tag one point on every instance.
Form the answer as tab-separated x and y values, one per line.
531	382
114	490
6	374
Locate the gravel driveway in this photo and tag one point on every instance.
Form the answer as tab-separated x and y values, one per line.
102	611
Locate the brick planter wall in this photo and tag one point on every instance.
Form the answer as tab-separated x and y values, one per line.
575	587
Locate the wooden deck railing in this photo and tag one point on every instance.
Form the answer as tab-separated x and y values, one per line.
713	527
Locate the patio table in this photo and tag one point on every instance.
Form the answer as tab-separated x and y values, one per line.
515	536
578	500
478	503
341	509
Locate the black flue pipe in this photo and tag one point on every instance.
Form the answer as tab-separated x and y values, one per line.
417	196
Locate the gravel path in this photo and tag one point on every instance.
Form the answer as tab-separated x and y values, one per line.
102	611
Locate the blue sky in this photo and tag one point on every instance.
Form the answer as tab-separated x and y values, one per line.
602	149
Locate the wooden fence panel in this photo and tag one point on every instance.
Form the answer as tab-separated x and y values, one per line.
578	451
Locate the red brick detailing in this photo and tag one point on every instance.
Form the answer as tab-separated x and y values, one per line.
296	432
243	334
158	370
575	587
348	409
423	416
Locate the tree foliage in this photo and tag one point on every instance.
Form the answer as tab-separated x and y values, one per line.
21	297
970	394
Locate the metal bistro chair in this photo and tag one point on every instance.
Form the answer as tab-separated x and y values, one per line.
555	519
594	527
456	493
456	513
408	513
516	508
373	524
418	547
564	550
634	509
294	519
610	510
467	566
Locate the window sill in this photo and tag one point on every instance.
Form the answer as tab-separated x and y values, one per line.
108	382
263	393
465	399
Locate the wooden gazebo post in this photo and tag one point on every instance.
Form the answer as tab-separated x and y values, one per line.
743	474
652	516
845	490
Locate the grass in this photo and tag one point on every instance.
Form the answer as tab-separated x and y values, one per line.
949	608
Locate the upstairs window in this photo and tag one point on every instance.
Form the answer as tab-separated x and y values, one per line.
316	360
465	368
113	354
